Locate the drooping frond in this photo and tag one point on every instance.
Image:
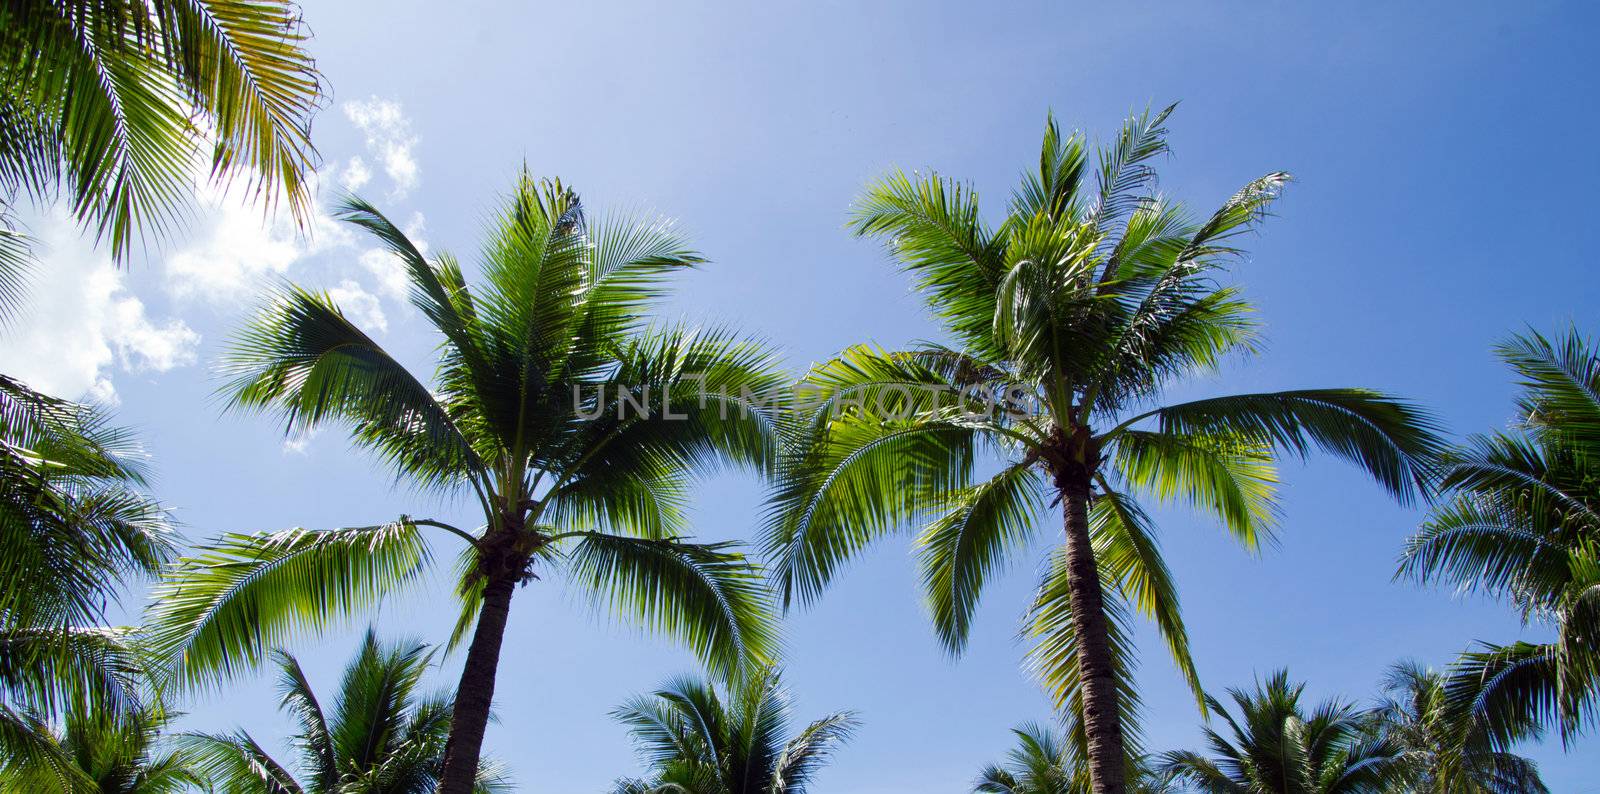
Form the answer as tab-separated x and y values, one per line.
1394	441
1054	646
238	763
132	93
319	757
1130	560
707	596
220	609
855	482
45	669
958	552
1218	474
303	359
74	519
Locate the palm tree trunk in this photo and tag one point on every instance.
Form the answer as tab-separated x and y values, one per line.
475	693
1102	722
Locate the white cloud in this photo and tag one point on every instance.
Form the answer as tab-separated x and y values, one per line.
80	321
355	174
360	306
389	139
238	247
299	443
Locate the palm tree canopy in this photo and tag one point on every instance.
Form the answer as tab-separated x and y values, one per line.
1522	524
698	742
1069	319
75	523
114	102
1047	762
1274	745
96	752
1442	748
574	426
380	735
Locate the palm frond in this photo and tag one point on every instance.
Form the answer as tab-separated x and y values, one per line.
1130	559
986	525
219	609
707	596
238	763
1394	441
303	359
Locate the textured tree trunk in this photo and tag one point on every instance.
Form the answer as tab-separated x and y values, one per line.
1102	722
476	691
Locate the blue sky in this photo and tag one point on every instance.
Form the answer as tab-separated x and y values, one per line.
1442	152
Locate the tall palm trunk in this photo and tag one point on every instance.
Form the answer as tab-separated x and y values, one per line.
1102	722
503	566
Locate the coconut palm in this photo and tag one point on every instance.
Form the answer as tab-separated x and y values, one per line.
381	735
111	104
1441	752
698	742
1070	319
100	753
1522	524
1275	746
553	413
75	523
1046	762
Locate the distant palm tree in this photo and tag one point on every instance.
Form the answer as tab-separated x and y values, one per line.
1045	762
75	524
1442	752
1072	318
112	103
96	752
1277	747
573	428
1523	525
381	735
699	743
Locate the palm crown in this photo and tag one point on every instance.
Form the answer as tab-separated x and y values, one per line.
701	743
1441	748
1523	524
552	409
1274	745
1069	319
380	735
92	751
75	522
1046	762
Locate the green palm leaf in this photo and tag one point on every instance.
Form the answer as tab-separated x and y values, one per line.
706	595
222	607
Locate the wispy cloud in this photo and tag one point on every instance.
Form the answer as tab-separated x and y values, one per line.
389	139
81	322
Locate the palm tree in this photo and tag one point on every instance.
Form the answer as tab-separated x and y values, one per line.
1522	524
700	743
381	736
112	103
100	753
75	523
1045	762
1441	752
1276	747
552	411
1071	318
